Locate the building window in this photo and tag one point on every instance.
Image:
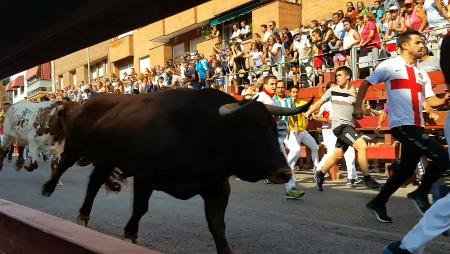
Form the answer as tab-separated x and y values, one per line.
22	89
227	27
101	69
194	42
144	63
125	68
178	51
15	93
74	78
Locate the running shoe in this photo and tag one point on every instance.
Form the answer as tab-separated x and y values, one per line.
420	202
394	248
294	194
379	211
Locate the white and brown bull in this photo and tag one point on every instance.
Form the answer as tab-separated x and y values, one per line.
41	126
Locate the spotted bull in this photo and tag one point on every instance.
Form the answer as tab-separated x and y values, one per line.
38	125
183	142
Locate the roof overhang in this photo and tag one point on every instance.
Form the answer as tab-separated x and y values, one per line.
58	28
166	38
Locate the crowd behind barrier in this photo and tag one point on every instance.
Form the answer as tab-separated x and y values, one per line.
359	37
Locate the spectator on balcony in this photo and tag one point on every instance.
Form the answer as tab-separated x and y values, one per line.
362	9
287	40
415	17
341	15
236	33
275	54
316	39
351	39
439	21
384	26
359	24
396	25
327	35
390	3
265	33
239	55
189	75
257	39
370	43
313	25
337	26
257	56
128	89
428	63
351	12
378	10
215	32
338	58
301	47
274	30
245	30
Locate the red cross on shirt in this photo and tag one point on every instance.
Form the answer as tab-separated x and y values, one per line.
415	89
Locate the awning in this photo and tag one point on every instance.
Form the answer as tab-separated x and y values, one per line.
8	87
32	72
18	82
233	15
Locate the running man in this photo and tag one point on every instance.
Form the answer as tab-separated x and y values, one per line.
405	85
342	97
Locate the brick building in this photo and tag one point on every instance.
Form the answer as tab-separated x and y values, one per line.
171	37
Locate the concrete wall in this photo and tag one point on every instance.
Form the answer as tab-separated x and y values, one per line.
24	230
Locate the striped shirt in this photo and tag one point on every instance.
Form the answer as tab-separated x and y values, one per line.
343	103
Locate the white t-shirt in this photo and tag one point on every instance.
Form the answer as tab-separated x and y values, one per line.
338	29
326	107
301	47
236	34
406	87
257	58
265	99
266	36
278	58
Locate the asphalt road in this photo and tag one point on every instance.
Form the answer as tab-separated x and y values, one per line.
259	219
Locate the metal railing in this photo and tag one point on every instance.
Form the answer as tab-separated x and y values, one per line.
355	63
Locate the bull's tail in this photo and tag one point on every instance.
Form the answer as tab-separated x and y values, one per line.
115	181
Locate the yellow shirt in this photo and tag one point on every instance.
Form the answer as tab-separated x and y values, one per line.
298	122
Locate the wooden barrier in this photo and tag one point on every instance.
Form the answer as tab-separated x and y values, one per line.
24	230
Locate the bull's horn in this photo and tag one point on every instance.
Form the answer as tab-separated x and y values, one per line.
280	111
231	108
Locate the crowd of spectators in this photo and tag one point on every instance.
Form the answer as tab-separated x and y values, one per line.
300	56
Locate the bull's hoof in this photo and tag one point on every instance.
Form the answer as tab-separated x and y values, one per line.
48	189
131	237
83	220
31	167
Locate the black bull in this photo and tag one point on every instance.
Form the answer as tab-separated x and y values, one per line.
182	142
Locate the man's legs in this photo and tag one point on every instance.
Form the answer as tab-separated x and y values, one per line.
306	138
434	222
294	153
329	141
349	157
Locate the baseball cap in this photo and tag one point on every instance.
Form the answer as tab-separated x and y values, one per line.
393	8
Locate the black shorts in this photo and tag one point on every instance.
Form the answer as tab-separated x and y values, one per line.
346	136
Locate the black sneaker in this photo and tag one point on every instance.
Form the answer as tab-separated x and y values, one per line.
319	177
379	211
370	183
394	248
420	202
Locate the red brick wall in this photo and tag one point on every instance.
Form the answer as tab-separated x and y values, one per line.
322	9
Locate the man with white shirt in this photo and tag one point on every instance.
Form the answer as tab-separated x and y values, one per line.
436	220
406	86
266	97
265	34
337	26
